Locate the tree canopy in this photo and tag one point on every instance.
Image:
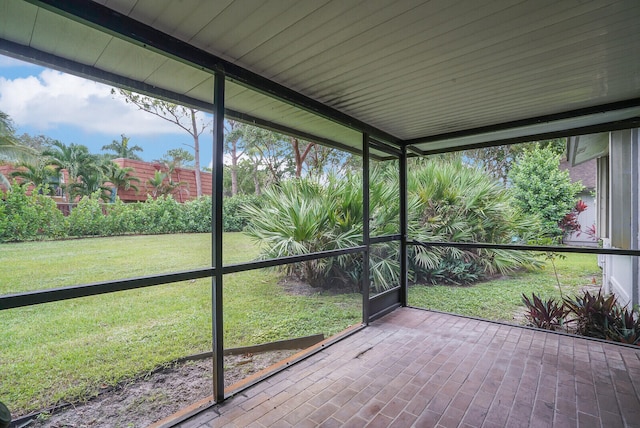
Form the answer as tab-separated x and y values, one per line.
122	149
541	188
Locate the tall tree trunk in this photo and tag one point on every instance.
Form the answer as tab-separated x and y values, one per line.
300	157
196	152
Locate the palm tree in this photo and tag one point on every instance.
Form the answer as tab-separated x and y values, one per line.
156	183
90	182
75	158
10	150
39	174
121	178
79	163
122	149
162	183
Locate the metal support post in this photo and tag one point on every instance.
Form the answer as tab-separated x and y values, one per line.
216	244
403	227
366	241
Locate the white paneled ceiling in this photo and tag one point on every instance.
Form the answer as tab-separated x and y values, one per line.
408	71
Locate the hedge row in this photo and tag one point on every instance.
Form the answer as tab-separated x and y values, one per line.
26	217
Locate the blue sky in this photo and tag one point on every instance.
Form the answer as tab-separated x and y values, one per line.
75	110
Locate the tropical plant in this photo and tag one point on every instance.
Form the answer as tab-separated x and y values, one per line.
305	216
122	149
626	329
84	169
39	173
162	184
569	223
547	314
75	158
90	183
10	149
453	202
595	315
384	201
449	201
120	178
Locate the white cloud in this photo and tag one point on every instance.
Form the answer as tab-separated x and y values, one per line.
53	98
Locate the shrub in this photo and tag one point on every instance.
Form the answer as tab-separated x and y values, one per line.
161	215
541	188
448	202
197	215
547	314
451	201
120	218
304	216
87	218
28	217
597	316
627	327
234	215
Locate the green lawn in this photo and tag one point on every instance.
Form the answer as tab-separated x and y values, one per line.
499	299
70	349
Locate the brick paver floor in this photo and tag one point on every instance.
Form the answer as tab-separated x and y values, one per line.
424	369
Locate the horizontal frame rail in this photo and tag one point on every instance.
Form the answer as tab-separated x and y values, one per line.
241	267
30	298
541	248
385	238
65	293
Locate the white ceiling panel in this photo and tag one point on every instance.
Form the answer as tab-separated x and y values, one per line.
406	70
16	21
203	92
73	41
121	55
178	78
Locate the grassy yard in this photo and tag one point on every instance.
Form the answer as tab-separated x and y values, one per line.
500	299
72	349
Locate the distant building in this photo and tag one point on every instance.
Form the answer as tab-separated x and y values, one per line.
145	171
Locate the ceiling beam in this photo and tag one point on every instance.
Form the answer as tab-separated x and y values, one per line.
121	26
571	114
584	130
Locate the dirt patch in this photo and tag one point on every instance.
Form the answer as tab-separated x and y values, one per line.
294	286
147	400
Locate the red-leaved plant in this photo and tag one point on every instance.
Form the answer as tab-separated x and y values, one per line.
569	223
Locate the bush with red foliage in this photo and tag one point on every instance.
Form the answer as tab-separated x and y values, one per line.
569	223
